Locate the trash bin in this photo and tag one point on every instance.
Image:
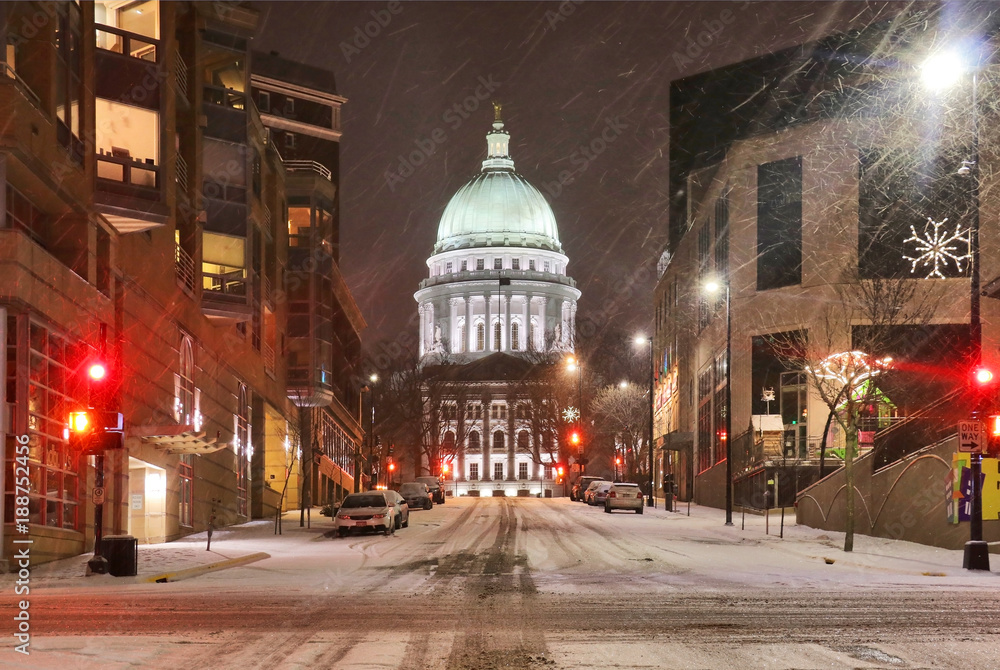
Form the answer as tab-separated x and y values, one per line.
122	554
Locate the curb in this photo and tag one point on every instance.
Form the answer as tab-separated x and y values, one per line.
187	573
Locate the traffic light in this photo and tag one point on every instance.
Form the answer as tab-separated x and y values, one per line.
574	438
444	468
559	474
392	466
90	431
993	435
983	383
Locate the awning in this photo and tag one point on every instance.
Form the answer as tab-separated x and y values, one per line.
676	441
178	439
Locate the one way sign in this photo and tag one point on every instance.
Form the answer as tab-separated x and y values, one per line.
971	436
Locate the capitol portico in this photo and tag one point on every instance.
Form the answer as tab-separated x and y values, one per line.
497	279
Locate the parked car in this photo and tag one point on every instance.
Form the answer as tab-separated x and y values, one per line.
402	515
588	495
600	493
624	496
580	487
416	494
372	510
436	487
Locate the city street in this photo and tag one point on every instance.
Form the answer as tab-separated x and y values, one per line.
527	583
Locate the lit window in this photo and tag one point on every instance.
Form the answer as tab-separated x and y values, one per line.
515	340
480	337
522	470
473	471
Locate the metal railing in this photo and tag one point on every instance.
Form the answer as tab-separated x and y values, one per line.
181	176
309	166
184	268
181	74
128	170
267	216
232	283
12	74
266	288
497	275
225	97
125	43
267	351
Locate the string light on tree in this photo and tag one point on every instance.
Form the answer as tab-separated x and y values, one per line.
937	248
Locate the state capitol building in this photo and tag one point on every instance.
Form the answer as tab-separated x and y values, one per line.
496	309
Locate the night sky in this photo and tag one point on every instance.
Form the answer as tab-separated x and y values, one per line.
423	83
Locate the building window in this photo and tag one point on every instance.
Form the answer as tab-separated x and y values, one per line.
515	264
465	266
480	337
69	77
473	472
498	471
898	189
24	216
498	264
480	263
53	499
448	267
289	106
243	449
498	441
522	470
515	339
264	101
497	333
548	471
531	264
474	444
498	411
546	266
185	473
705	420
523	442
184	389
779	224
289	140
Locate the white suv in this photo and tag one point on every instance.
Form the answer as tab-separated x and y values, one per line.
623	496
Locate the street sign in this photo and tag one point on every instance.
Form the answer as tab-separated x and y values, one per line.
971	437
98	495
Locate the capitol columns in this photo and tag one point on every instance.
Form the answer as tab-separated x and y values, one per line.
470	331
505	328
525	322
423	328
453	330
543	321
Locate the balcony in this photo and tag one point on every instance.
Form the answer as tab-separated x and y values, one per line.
184	269
224	296
181	76
496	275
267	352
123	169
309	166
132	45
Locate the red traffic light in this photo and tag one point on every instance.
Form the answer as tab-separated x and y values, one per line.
392	466
80	422
560	470
97	371
983	375
574	437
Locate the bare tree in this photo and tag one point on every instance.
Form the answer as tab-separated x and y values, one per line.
622	413
845	356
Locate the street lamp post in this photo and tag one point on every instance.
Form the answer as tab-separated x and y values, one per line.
371	434
650	502
938	72
715	287
574	364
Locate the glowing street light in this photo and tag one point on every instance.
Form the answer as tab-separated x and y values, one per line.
942	70
639	341
714	287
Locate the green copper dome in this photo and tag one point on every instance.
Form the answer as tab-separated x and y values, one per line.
498	207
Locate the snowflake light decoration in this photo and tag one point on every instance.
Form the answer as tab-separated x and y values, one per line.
937	247
571	414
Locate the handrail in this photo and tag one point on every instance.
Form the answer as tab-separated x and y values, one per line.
309	166
181	74
12	73
151	44
184	267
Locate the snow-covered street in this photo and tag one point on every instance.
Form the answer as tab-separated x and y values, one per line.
524	583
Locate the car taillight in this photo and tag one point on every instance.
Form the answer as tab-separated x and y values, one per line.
379	516
611	494
639	495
